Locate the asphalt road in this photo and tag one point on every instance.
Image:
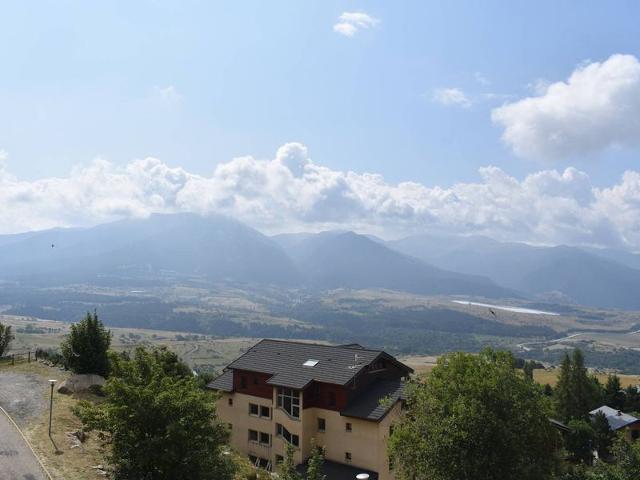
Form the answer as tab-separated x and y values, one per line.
17	461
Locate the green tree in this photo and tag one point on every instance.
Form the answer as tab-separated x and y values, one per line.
580	441
314	466
626	464
5	338
85	349
603	435
614	395
577	393
162	426
528	370
475	418
287	467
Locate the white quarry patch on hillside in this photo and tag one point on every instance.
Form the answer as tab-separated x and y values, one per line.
508	309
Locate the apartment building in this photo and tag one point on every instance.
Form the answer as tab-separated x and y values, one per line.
345	397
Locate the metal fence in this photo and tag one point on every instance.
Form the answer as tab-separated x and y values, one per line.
18	357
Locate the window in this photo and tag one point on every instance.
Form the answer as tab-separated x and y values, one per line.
310	363
243	381
289	401
255	380
347	456
253	436
265	412
279	459
635	434
348	427
230	401
253	409
265	439
332	399
322	424
289	437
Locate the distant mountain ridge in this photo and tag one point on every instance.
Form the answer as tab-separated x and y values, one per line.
338	259
585	276
214	247
218	248
166	247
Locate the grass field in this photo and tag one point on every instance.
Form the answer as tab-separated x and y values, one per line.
198	351
423	365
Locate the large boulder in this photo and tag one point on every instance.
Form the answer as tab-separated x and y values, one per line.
81	383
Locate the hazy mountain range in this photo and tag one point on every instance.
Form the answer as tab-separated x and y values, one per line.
218	249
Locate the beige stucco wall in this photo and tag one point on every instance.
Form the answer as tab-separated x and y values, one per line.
367	442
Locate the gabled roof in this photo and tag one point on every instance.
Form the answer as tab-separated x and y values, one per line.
223	383
616	418
376	401
284	361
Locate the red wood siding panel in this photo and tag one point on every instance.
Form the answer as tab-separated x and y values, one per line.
319	394
253	384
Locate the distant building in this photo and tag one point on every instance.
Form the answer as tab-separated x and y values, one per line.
346	397
620	421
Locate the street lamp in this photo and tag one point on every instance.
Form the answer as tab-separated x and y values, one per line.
52	383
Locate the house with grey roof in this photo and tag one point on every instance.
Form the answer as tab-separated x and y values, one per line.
344	397
619	421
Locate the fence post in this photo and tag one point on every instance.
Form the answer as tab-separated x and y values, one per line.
29	356
13	359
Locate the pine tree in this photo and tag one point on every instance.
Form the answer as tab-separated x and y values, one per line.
85	350
603	435
614	395
577	392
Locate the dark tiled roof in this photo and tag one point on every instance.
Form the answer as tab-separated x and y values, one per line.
367	405
616	418
284	360
339	471
559	425
224	382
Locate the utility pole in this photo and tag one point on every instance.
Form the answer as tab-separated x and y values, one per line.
52	383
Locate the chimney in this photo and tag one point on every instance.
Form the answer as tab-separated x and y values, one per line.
619	413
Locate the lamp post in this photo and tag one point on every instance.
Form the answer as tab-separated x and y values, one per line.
52	383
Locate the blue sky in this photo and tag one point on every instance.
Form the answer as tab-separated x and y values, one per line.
409	95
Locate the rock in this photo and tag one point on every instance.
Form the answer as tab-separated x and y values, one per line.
80	383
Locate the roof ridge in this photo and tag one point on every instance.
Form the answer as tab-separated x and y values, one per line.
297	342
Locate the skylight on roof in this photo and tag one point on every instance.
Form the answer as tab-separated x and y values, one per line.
310	363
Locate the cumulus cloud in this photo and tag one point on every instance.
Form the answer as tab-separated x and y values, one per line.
291	192
451	96
349	23
597	107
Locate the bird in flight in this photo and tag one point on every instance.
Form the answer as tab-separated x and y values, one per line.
53	245
492	312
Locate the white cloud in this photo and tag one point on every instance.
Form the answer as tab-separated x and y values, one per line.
481	79
290	192
349	23
596	108
168	94
451	96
